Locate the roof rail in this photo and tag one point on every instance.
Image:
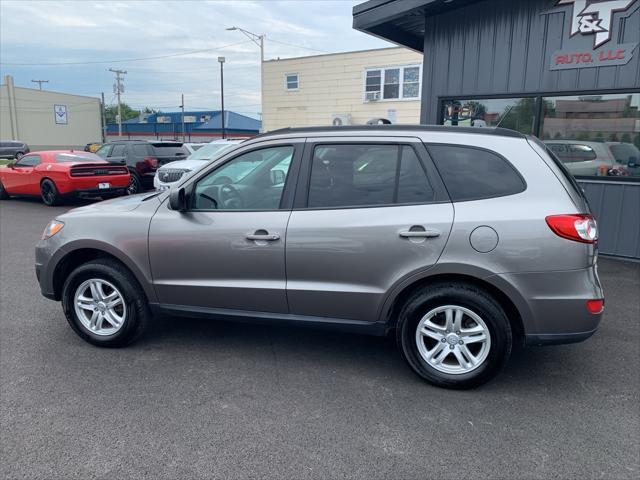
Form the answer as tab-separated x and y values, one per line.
503	132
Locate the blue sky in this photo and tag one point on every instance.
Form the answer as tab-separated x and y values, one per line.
36	32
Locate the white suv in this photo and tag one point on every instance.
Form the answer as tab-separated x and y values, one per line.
171	172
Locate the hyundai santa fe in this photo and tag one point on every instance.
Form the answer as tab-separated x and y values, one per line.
463	242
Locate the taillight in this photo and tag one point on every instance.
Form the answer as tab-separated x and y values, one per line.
576	227
151	161
595	306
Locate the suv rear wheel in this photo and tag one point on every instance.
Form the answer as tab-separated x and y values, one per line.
454	335
104	304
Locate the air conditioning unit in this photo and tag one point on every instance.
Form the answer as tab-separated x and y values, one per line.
372	96
338	119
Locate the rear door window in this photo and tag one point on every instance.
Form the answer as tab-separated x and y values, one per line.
471	173
351	175
141	150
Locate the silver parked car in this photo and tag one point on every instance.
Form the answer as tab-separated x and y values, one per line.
169	174
463	241
584	158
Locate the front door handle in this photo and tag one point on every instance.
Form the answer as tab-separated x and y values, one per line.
429	233
262	235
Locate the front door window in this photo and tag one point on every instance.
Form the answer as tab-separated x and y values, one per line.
252	181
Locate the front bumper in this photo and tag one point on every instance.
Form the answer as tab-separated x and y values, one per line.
46	250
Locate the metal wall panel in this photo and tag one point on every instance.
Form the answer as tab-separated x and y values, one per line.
504	47
616	206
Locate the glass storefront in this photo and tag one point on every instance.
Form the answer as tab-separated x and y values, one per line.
594	135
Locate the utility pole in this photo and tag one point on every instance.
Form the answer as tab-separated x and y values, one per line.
182	107
221	60
104	119
40	82
118	88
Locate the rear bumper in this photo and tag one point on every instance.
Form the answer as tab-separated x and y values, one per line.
537	340
100	192
553	305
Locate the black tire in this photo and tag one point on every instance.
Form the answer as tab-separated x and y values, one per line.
3	193
49	193
135	185
471	298
138	314
18	155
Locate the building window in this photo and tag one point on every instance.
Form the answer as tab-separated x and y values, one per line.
514	113
593	135
392	83
291	81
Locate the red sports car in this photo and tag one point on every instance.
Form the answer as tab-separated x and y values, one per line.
59	174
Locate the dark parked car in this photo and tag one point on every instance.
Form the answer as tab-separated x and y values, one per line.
143	158
13	149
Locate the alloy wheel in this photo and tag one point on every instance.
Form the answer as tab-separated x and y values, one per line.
100	307
134	185
48	194
453	339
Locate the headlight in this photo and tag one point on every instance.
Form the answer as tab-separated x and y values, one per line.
54	227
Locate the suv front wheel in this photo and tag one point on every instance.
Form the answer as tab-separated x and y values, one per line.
454	335
104	304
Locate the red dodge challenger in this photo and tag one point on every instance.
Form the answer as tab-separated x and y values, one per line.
59	174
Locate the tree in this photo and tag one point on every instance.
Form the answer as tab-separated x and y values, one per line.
111	113
520	116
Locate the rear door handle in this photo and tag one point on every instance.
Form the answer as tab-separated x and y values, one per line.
420	233
262	236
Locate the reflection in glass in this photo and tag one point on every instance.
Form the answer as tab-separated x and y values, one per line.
607	126
515	113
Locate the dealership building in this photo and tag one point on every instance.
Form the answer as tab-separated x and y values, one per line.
566	71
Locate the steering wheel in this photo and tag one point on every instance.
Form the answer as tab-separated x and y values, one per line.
230	197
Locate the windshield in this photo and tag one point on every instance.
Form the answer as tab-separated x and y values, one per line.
77	157
210	151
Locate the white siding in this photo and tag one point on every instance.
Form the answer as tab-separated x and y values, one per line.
332	84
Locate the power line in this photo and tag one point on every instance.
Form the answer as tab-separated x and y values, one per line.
297	46
191	52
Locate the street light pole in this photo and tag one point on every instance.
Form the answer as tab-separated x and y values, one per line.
221	60
259	41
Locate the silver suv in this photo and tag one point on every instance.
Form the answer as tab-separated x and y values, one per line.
463	241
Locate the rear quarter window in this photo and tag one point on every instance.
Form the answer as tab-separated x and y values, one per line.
471	173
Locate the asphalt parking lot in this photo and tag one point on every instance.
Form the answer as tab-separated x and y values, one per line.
202	399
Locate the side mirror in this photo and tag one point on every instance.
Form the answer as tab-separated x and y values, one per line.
11	164
178	199
277	177
633	162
